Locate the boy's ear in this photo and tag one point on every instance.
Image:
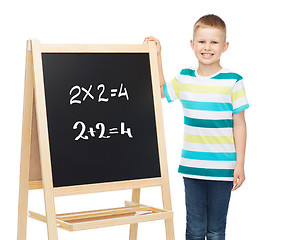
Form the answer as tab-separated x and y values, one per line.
226	45
192	44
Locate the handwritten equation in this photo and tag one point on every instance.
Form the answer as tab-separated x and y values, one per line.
81	94
100	131
100	93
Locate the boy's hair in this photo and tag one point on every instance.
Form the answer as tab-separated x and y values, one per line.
212	21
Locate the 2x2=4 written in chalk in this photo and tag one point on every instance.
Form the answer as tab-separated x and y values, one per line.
77	92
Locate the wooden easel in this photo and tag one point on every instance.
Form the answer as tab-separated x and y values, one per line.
36	173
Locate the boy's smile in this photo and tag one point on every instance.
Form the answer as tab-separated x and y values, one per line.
208	45
207	55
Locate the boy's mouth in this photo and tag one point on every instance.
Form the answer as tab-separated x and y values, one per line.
207	55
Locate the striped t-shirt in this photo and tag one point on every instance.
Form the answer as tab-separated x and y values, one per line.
208	104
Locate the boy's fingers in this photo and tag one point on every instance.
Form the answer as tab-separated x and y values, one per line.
150	38
237	183
236	186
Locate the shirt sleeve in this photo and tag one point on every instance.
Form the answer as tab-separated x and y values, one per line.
238	97
171	90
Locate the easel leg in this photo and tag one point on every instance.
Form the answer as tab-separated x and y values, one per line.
134	227
51	218
23	204
169	225
25	149
44	149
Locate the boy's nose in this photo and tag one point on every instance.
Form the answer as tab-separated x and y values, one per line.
207	46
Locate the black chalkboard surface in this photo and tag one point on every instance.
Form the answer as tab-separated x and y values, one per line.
101	119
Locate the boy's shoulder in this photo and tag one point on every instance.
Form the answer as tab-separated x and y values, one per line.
226	73
189	71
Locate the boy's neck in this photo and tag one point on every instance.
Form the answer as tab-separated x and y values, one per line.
208	70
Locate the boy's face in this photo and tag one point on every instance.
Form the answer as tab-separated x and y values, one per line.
208	45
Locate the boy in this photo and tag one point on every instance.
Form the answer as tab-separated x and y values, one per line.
214	100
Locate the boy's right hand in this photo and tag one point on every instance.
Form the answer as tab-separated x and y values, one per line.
158	46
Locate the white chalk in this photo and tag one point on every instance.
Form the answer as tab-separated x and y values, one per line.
142	213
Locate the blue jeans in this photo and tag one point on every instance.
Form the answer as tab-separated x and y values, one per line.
207	204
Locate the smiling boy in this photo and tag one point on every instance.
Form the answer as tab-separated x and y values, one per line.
212	159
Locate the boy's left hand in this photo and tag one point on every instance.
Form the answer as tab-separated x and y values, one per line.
239	177
157	42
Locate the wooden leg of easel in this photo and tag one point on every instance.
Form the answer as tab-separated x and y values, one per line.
44	149
25	148
51	217
23	203
169	225
134	227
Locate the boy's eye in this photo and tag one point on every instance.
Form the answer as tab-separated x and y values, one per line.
214	42
201	41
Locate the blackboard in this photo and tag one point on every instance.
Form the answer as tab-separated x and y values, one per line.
100	116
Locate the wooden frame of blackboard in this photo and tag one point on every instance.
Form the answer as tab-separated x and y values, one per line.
36	170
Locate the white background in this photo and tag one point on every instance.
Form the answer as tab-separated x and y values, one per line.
255	35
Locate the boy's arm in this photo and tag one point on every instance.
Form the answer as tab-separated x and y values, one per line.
161	76
240	134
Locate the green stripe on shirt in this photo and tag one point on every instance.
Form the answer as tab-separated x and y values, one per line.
206	171
188	72
208	123
228	76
